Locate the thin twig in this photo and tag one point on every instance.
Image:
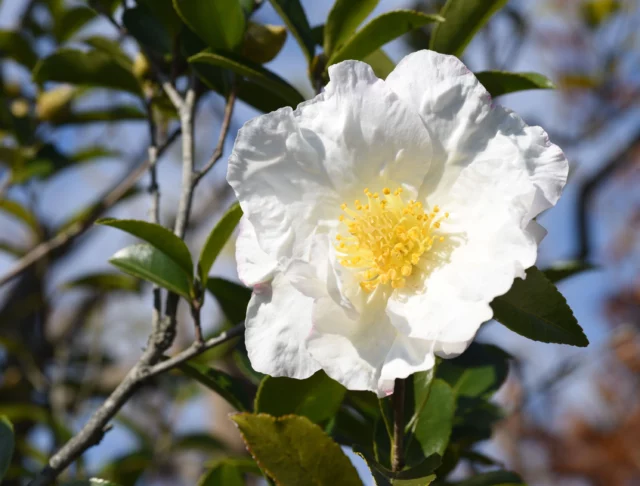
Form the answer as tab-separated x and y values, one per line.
397	448
66	237
224	130
151	364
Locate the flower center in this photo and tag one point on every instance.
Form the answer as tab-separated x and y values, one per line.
386	237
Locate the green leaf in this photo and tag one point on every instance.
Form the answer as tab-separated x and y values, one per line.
94	68
148	263
7	443
261	98
90	482
344	18
104	282
109	46
479	372
199	441
232	297
292	450
501	82
317	397
163	10
156	235
416	476
463	18
379	31
219	23
18	211
262	43
229	472
148	30
493	478
14	45
259	75
535	309
381	64
433	426
561	270
217	239
231	389
70	21
292	13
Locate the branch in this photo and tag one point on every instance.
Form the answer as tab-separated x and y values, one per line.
397	447
111	197
224	130
149	365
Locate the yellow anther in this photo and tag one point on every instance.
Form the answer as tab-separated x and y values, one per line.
386	241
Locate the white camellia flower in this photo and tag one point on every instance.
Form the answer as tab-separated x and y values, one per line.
383	217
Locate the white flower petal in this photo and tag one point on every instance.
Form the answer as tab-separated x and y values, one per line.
351	351
406	357
278	321
254	265
291	170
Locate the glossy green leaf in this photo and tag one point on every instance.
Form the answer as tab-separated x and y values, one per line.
474	420
156	235
217	239
261	98
147	29
255	72
70	21
231	389
501	82
21	213
104	282
493	478
199	441
148	263
262	43
292	13
127	468
164	11
463	18
478	372
94	68
344	18
431	432
535	309
317	397
561	270
232	297
379	31
292	449
229	472
108	46
415	476
14	45
219	23
381	64
7	443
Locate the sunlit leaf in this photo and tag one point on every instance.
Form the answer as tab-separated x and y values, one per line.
21	213
535	309
71	20
292	449
156	235
217	239
148	263
344	18
381	64
229	472
463	18
379	31
263	42
95	68
501	82
219	23
108	46
293	15
255	72
317	397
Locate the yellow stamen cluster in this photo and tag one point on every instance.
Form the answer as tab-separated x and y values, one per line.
386	237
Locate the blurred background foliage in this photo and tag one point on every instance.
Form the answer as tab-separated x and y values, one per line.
70	152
